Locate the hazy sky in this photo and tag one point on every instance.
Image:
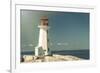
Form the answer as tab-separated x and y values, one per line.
68	30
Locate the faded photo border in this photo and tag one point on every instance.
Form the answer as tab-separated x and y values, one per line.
15	38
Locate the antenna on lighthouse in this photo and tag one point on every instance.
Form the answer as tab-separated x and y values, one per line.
42	48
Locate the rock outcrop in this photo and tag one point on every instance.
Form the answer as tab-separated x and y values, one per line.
54	57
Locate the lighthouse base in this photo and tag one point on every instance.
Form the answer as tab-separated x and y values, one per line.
39	51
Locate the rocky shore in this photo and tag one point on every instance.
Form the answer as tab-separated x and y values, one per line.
54	57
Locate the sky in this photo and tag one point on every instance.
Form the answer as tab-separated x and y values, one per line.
67	30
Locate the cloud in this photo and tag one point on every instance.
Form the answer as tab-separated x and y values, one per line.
59	43
63	44
27	45
30	45
51	44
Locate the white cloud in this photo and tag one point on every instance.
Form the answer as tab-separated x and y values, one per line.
30	45
63	44
51	44
59	43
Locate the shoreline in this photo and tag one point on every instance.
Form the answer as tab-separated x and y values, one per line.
84	54
51	58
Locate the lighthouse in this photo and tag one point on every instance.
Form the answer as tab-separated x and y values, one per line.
42	47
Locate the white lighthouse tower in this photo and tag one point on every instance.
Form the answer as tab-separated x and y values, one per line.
42	48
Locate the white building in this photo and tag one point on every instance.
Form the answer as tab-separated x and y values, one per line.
42	48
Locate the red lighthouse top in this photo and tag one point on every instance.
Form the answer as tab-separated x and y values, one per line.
44	21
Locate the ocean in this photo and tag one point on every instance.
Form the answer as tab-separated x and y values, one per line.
85	54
